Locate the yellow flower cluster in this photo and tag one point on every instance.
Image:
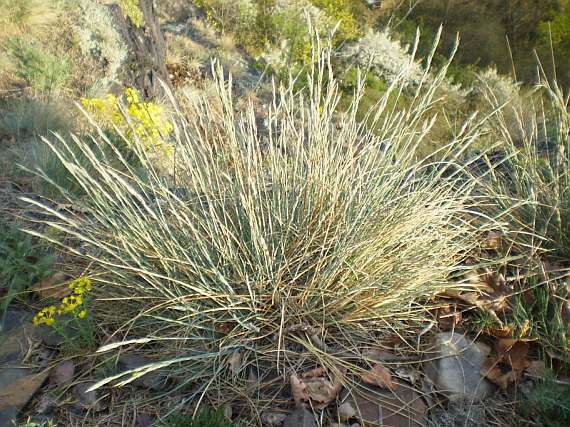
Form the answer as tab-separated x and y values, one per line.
45	315
340	10
74	303
147	118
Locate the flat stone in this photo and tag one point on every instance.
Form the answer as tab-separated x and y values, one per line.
17	386
15	343
155	380
300	417
13	319
87	398
379	407
456	368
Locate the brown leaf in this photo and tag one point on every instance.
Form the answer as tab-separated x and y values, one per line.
506	379
313	373
54	286
491	369
514	352
380	376
298	390
502	331
235	361
492	240
321	391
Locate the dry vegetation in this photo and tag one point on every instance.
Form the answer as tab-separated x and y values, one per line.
295	221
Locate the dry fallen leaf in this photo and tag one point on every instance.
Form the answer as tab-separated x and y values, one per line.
379	376
235	361
298	390
492	240
493	372
321	391
346	411
313	373
54	286
514	352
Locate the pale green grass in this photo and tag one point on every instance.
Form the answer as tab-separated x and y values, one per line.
293	247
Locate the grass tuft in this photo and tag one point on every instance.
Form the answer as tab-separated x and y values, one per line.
269	250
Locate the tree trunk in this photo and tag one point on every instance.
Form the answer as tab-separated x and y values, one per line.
146	61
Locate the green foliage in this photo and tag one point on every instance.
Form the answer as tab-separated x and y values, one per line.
205	418
131	9
542	309
549	403
43	71
22	263
340	11
557	30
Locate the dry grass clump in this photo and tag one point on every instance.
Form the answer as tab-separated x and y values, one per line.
21	17
269	250
529	183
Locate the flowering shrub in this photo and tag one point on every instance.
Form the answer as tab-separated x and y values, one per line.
74	303
145	120
387	57
338	11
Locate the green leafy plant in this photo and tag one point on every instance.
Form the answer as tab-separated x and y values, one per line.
45	72
549	403
70	317
530	187
205	418
22	262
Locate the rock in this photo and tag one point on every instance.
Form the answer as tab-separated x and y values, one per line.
464	413
87	398
16	343
13	319
455	370
300	417
346	411
17	386
272	419
63	373
376	407
144	420
155	380
49	336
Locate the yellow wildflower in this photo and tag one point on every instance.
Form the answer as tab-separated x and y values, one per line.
145	122
81	285
82	314
45	315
